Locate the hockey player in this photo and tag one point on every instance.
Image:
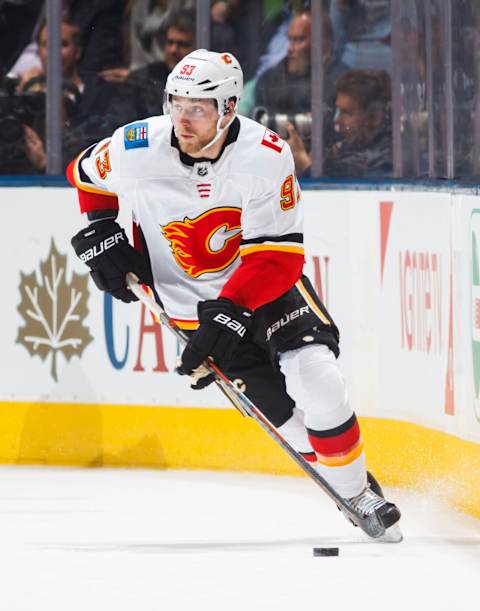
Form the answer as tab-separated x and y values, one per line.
217	231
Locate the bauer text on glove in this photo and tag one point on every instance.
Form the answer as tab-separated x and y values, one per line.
104	247
223	325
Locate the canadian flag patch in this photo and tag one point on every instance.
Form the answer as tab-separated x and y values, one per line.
273	140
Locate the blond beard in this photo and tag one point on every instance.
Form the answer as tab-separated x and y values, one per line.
192	147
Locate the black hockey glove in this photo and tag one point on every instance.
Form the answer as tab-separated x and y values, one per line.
104	247
223	325
200	377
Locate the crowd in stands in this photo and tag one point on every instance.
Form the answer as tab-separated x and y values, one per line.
117	54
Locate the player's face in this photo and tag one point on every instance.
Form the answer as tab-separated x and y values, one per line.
195	122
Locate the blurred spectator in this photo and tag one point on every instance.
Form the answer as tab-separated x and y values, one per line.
17	22
222	33
70	49
283	93
248	30
363	125
92	108
22	149
147	24
177	40
97	96
277	15
100	24
162	15
276	48
286	88
220	10
362	33
149	82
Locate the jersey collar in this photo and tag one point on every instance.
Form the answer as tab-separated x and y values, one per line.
232	136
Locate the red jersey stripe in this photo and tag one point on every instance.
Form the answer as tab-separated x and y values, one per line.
262	277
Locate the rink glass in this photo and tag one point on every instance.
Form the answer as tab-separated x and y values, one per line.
427	48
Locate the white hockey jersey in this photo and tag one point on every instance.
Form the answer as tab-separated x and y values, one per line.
198	220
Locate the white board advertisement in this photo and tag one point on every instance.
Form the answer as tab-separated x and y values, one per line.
399	272
466	256
415	317
62	339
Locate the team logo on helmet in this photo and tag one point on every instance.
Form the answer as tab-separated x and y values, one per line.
207	243
227	58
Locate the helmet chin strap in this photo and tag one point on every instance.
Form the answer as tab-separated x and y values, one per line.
220	131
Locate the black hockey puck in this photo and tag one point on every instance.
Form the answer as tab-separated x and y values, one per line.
326	551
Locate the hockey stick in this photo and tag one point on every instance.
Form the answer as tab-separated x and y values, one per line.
371	525
220	380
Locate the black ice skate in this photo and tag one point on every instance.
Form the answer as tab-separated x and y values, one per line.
368	503
374	485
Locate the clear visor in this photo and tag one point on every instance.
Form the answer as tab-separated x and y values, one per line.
193	109
196	114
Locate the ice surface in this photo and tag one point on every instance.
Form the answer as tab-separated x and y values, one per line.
116	540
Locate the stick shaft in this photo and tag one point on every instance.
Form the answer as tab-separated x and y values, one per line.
241	402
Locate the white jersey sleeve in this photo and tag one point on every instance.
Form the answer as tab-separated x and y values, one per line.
102	172
271	247
99	166
272	218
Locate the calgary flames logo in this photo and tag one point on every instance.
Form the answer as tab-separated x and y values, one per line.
208	243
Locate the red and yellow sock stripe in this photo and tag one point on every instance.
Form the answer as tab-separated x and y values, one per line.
339	446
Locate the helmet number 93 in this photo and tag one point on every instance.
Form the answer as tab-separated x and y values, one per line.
187	69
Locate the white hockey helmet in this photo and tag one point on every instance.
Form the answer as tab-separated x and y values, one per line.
206	75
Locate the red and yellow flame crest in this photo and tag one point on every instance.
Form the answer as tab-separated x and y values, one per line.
207	243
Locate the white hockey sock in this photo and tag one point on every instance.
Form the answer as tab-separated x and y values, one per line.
315	383
295	433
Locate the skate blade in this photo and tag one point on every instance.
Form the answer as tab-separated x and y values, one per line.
391	535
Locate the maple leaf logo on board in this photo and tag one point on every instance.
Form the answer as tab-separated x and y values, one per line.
53	311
